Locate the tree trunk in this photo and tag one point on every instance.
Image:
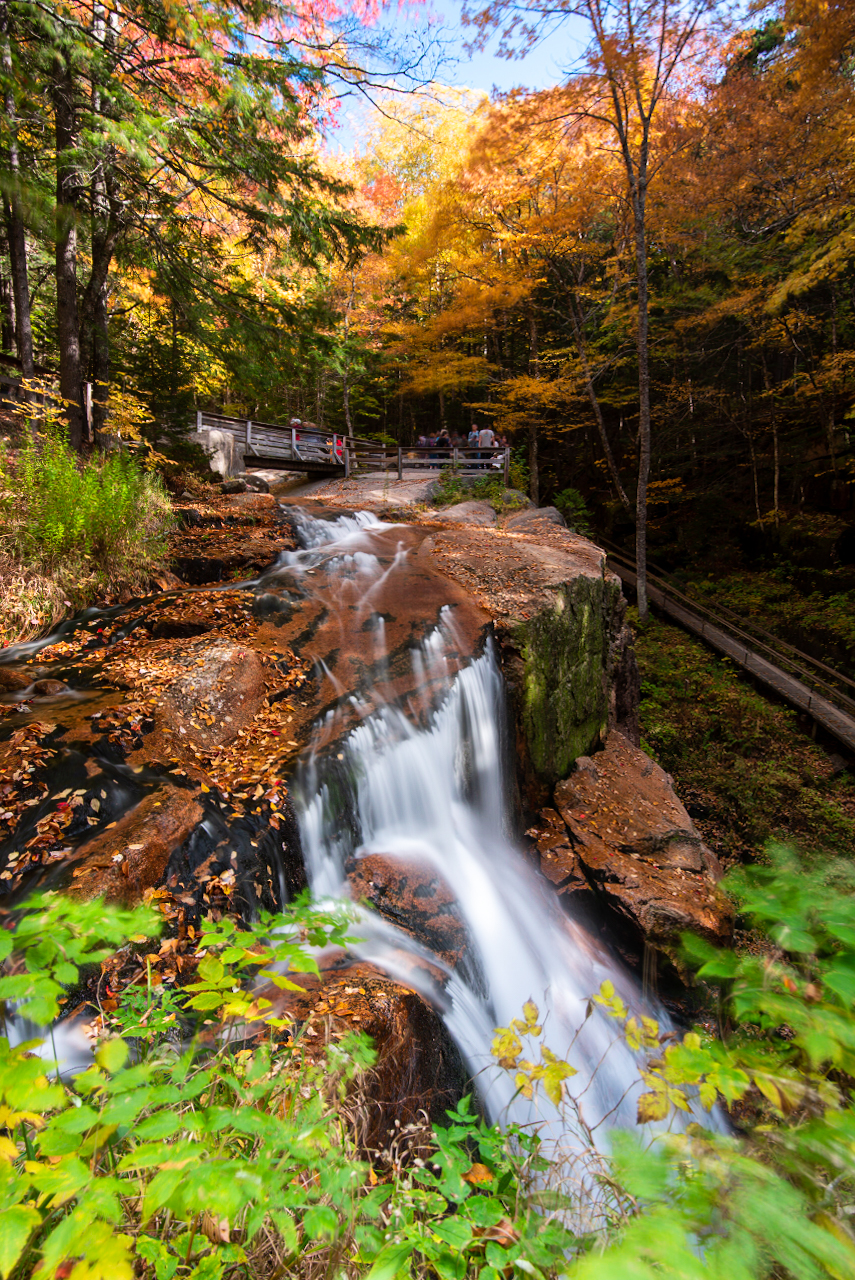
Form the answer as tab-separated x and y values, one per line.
595	405
638	202
533	473
533	368
7	315
67	204
13	211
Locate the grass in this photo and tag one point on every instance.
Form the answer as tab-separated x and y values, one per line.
740	762
73	530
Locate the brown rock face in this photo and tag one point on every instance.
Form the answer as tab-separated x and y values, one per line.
11	681
418	1069
123	861
253	501
636	846
222	691
414	898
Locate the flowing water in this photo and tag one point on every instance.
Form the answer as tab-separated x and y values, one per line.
409	762
421	775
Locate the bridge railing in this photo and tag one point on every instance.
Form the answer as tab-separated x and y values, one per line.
305	444
834	685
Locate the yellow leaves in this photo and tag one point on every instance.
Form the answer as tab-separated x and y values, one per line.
643	1035
8	1150
10	1118
608	1000
551	1071
506	1047
530	1025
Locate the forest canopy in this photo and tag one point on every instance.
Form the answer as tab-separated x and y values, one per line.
653	256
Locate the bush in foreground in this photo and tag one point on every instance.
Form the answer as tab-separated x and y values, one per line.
208	1154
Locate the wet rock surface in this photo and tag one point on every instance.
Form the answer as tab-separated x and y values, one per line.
619	832
412	896
558	614
418	1071
146	748
220	694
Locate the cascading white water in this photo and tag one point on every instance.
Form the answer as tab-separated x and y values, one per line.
437	794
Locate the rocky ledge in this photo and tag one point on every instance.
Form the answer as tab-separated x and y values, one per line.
619	840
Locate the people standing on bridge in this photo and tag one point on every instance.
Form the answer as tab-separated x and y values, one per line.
472	438
486	442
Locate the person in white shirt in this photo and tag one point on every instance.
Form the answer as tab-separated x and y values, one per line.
486	441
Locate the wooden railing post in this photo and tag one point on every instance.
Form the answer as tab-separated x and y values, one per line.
293	443
507	468
400	463
198	419
248	435
346	459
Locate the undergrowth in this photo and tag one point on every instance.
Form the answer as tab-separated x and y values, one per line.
73	530
451	489
738	759
821	620
203	1141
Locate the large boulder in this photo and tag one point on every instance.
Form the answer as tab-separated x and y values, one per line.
627	837
412	896
522	518
566	652
131	855
475	512
418	1071
219	692
221	449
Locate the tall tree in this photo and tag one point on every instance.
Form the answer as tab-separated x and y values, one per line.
630	76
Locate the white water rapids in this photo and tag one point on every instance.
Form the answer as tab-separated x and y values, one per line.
437	794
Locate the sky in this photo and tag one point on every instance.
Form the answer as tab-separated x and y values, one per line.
539	69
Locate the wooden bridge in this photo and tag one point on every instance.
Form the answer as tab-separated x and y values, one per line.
826	695
304	447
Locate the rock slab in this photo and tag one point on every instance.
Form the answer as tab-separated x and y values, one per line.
628	837
221	692
474	512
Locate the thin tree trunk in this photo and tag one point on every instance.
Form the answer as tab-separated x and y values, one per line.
754	475
533	365
13	211
595	405
7	315
67	203
533	469
643	404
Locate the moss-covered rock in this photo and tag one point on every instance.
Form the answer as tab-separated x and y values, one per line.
567	656
565	647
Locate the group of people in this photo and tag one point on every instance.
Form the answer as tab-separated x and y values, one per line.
482	438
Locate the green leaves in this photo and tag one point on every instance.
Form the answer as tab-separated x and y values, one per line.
17	1224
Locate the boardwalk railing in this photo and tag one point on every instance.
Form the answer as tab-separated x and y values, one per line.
305	447
803	681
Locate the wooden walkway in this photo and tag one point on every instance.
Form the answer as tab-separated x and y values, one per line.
305	447
803	681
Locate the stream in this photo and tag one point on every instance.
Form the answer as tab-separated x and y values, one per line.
420	772
409	764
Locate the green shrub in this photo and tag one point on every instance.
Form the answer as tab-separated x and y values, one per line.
89	526
575	511
231	1156
452	488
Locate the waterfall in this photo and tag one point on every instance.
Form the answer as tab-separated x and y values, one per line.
435	792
